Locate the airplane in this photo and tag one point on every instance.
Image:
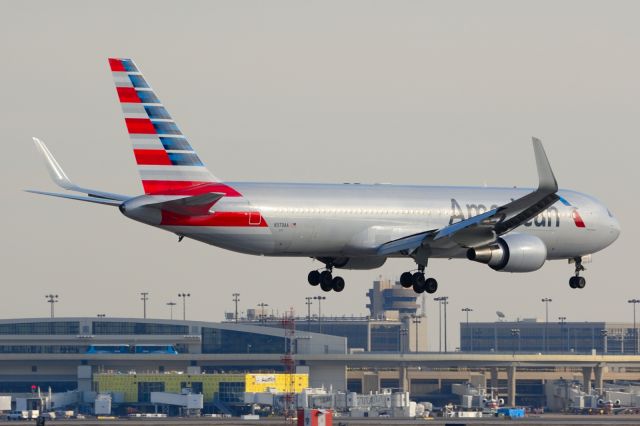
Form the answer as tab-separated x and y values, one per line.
490	400
350	226
610	406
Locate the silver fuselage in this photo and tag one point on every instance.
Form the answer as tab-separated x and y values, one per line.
353	220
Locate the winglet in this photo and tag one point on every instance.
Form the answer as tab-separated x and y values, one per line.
55	171
545	174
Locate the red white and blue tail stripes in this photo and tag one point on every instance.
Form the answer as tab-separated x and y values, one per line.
166	161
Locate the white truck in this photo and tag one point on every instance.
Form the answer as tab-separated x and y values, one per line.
18	415
23	415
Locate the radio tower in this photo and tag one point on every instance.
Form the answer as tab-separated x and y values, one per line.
289	364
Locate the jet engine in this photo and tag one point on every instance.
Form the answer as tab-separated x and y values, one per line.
370	262
512	253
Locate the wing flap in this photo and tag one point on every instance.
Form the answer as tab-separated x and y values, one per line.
405	244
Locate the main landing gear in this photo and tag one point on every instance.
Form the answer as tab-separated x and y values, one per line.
418	281
577	281
326	280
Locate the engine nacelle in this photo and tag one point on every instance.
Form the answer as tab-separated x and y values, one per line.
512	253
369	262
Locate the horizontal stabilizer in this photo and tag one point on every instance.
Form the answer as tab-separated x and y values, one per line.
79	198
197	205
61	179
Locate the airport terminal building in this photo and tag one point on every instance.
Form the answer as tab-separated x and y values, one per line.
132	357
64	353
533	336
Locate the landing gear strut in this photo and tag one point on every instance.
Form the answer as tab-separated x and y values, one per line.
577	281
326	280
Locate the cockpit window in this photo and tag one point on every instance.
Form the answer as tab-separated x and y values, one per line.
609	212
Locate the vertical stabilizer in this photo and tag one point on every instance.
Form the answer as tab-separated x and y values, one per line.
166	161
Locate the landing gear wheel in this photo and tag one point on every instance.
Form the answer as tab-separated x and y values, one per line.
326	287
431	285
419	282
406	279
314	278
326	280
337	284
577	281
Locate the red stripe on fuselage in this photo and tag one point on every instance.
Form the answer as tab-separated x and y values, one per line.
155	157
116	64
140	125
578	219
176	187
225	219
128	95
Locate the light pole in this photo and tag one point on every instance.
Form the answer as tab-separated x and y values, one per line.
467	310
262	306
416	319
144	298
546	300
403	337
51	298
184	304
171	305
443	301
635	330
319	299
308	303
562	320
604	333
439	300
515	332
236	299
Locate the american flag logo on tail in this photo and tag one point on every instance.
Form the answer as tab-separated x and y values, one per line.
166	161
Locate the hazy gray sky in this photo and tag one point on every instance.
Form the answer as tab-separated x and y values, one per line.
445	93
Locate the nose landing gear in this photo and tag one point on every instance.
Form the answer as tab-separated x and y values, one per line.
577	281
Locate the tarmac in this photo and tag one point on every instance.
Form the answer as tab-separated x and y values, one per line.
547	419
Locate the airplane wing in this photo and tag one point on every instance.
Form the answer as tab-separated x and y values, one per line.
486	227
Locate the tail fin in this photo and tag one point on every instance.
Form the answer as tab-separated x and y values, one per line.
166	161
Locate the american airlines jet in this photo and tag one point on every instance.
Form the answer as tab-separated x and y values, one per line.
350	226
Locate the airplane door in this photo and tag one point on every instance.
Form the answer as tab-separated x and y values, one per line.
255	218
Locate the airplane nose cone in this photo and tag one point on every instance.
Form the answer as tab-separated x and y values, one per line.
614	229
